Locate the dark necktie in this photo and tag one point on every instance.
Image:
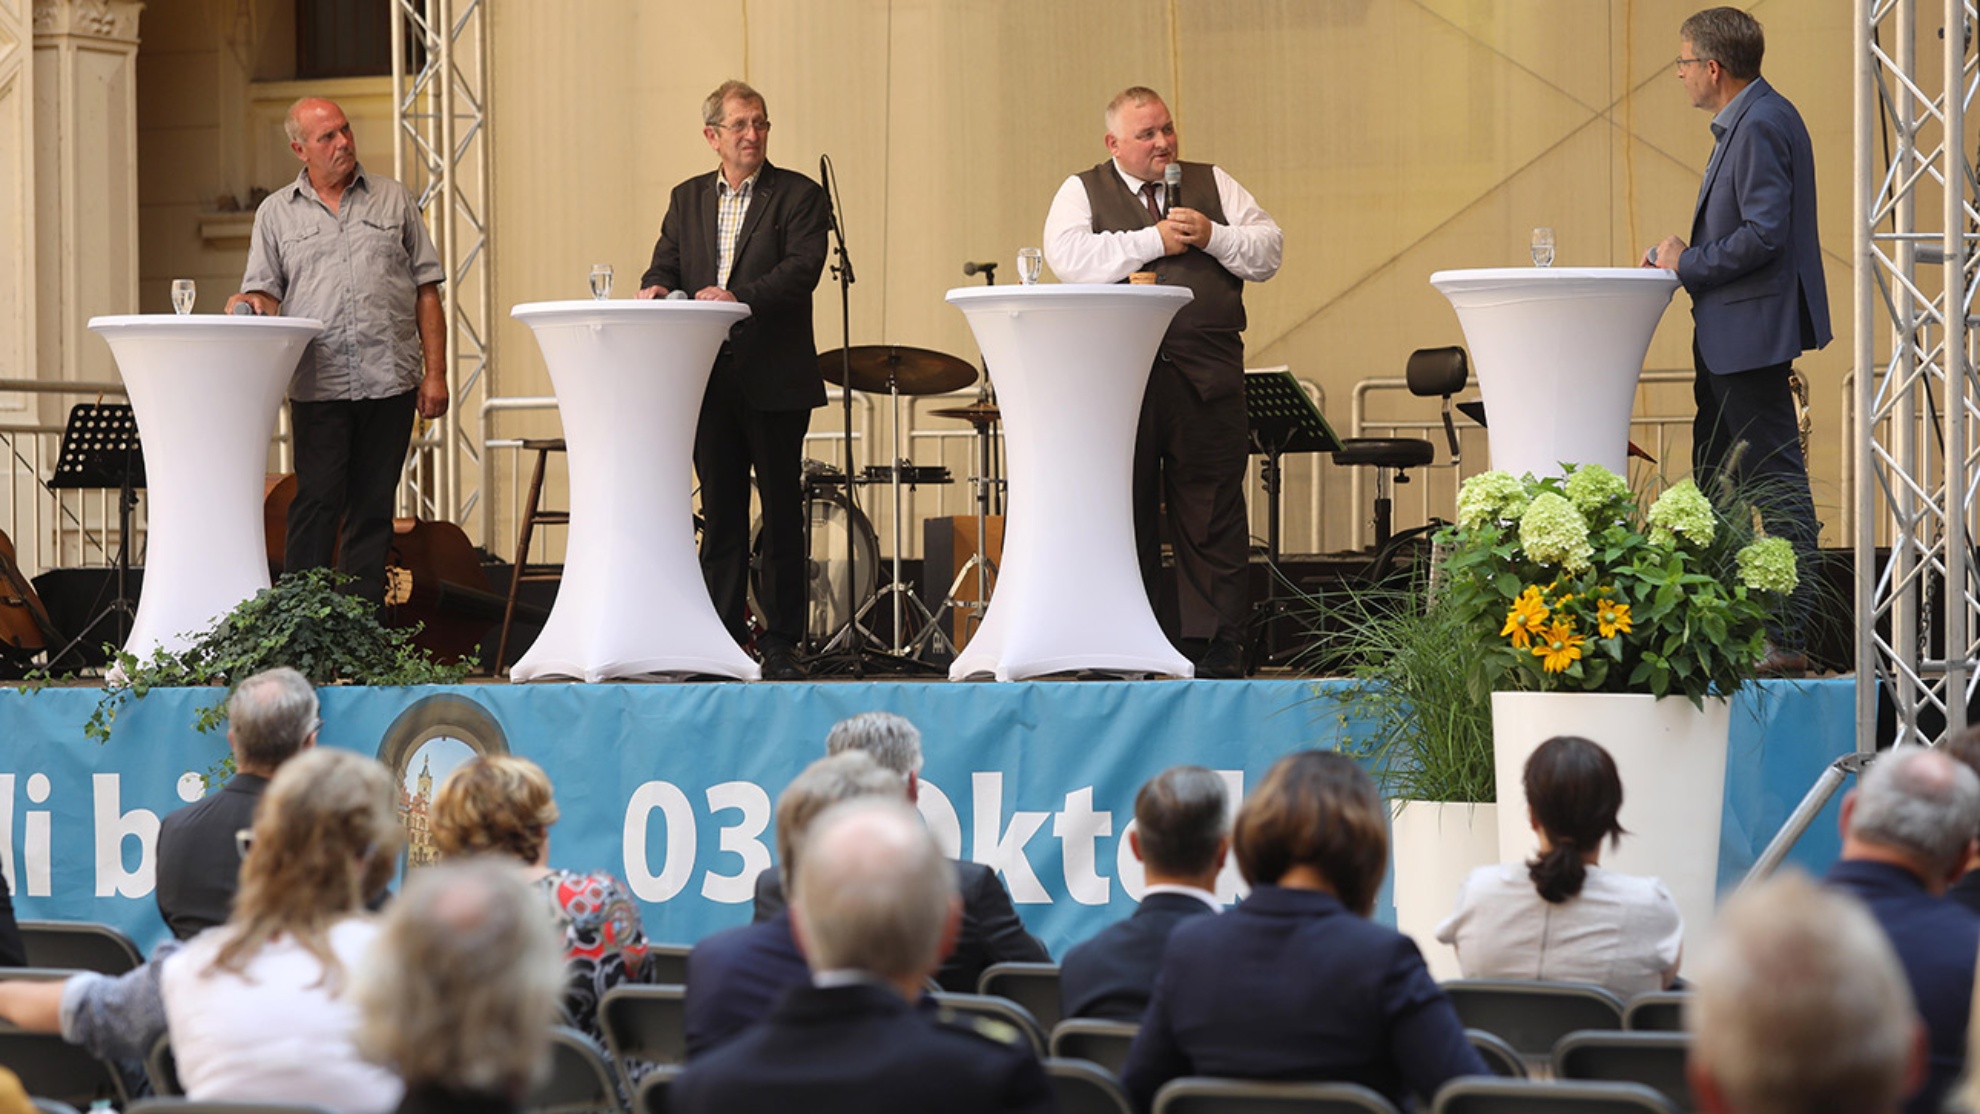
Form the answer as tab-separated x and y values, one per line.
1149	193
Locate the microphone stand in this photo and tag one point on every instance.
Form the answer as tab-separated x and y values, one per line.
853	655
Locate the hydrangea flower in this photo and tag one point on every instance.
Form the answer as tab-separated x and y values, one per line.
1553	533
1768	565
1598	493
1490	497
1682	512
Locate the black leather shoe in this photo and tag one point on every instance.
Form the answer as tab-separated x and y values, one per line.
1223	661
1778	663
780	663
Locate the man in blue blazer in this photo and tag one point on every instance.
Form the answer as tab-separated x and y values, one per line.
1754	272
1181	835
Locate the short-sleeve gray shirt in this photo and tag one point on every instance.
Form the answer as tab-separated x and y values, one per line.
357	270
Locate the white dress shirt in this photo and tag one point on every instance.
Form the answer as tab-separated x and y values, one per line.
1250	245
1621	931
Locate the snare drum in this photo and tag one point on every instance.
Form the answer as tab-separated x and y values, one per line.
912	475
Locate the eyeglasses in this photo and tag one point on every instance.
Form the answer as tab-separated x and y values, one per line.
1683	62
743	127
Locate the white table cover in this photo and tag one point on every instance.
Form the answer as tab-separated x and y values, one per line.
1557	351
1071	364
629	377
206	389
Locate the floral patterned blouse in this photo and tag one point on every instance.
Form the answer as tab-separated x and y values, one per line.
604	943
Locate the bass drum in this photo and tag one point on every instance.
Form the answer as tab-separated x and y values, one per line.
834	529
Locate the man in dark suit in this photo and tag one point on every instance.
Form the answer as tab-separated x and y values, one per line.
1754	272
991	932
736	976
875	906
753	233
271	718
1181	835
1908	829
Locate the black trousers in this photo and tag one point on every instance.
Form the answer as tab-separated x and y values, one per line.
1745	431
1190	454
349	456
732	439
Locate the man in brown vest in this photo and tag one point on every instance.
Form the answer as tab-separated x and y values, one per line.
1111	221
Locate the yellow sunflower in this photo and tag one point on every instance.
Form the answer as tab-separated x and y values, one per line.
1525	618
1558	648
1611	618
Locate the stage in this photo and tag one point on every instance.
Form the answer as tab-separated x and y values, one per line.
672	787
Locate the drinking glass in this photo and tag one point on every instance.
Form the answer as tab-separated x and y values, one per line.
183	293
601	281
1543	247
1031	264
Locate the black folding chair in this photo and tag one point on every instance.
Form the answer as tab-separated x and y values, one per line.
580	1081
1532	1015
1204	1095
79	945
1478	1095
1101	1042
1035	986
997	1009
1660	1011
1085	1088
645	1025
1656	1060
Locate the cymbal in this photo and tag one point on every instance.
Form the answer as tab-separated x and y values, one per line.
877	368
976	413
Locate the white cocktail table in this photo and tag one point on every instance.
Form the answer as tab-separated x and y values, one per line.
629	377
206	390
1558	351
1071	364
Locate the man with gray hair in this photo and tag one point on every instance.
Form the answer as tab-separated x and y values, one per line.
735	976
876	905
271	718
1800	1005
992	932
1908	829
1181	836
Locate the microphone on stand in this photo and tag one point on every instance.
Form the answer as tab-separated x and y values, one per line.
1171	187
980	269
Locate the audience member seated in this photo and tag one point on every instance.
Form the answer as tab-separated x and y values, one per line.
1295	982
991	931
735	977
1908	830
875	906
271	717
1561	916
12	952
260	1009
1964	745
459	993
1800	1005
502	805
1181	836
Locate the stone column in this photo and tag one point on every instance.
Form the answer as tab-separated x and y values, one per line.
85	179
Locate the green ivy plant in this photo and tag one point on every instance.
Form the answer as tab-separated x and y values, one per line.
304	621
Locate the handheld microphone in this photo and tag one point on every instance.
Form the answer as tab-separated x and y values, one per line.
1171	187
979	268
245	309
677	296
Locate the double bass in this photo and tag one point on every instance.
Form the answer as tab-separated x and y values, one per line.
25	629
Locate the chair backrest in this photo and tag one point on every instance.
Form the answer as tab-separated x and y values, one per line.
1084	1088
1101	1042
1660	1011
579	1081
1655	1060
651	1098
53	1068
1436	371
193	1106
51	1106
1035	986
646	1024
1204	1095
997	1009
669	963
1502	1058
81	945
1478	1095
1531	1015
38	974
163	1068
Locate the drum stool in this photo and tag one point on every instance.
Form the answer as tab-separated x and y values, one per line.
1431	372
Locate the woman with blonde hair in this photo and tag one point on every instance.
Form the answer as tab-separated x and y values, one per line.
260	1008
502	805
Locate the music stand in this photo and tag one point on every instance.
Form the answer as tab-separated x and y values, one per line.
101	449
1281	419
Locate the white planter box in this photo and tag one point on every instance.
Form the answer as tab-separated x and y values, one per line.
1435	845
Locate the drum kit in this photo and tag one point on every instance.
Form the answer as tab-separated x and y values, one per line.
844	588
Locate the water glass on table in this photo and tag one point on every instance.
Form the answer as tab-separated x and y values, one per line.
183	295
1543	247
601	282
1031	264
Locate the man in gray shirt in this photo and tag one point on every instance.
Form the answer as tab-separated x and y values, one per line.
348	248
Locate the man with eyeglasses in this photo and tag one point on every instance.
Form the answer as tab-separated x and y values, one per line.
271	718
1758	300
1192	446
754	233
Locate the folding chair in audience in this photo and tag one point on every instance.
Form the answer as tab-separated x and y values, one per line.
580	1080
669	963
1531	1015
1035	986
1084	1088
79	945
644	1024
1655	1060
1204	1095
1100	1042
1502	1058
192	1106
163	1068
50	1106
1660	1011
997	1009
651	1098
53	1068
1479	1095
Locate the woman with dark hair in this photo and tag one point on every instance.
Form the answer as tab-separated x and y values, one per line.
1296	983
1561	917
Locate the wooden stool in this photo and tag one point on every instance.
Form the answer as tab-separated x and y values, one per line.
533	516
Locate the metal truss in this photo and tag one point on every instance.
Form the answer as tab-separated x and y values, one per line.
1917	466
441	113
